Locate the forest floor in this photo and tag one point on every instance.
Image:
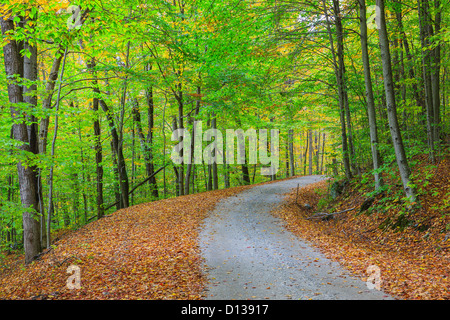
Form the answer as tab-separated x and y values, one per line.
148	251
151	251
414	262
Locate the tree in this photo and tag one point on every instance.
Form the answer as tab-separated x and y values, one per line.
338	63
26	171
397	140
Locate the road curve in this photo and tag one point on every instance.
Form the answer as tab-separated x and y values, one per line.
250	255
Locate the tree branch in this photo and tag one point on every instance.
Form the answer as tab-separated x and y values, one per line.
138	185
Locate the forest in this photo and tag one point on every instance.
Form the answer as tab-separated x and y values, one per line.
92	92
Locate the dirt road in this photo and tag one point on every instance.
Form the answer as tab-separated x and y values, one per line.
250	255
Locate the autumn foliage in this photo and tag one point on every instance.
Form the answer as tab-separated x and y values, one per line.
149	251
414	261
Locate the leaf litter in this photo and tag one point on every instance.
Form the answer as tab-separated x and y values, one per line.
413	264
148	251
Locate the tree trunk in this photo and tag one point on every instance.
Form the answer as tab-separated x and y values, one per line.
179	98
397	140
47	101
245	173
310	147
150	165
369	95
227	175
97	142
323	153
426	31
291	152
27	176
117	146
215	178
305	155
436	72
287	158
190	166
318	150
338	64
348	119
347	145
145	146
30	98
177	171
410	61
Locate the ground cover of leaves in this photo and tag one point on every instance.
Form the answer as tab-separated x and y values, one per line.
148	251
414	264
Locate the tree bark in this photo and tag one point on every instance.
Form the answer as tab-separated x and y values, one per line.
145	147
397	140
179	98
369	96
436	72
215	178
287	157
323	153
410	62
426	31
190	166
117	146
27	176
30	71
47	100
177	173
291	152
150	165
310	147
97	142
317	140
338	64
55	134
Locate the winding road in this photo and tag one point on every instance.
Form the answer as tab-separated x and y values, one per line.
250	255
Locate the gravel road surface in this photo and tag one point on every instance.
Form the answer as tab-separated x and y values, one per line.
250	255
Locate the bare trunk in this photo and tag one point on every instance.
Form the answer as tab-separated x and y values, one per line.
425	34
369	95
27	176
291	153
310	147
150	166
435	75
97	143
47	100
397	140
190	167
117	146
215	177
338	63
145	148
